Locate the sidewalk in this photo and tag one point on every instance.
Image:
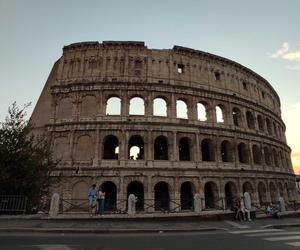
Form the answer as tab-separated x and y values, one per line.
82	223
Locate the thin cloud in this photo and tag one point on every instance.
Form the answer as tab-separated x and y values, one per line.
284	52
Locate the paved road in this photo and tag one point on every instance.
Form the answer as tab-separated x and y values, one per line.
246	239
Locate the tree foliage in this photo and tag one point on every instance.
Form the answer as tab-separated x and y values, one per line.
25	159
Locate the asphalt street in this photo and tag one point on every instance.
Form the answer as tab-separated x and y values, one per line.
246	239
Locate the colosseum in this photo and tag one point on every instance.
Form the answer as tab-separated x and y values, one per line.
163	124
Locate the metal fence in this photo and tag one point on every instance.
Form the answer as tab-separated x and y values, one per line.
13	204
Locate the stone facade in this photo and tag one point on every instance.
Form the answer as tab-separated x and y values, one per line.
231	139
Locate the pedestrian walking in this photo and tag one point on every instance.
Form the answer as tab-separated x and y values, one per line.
92	192
101	201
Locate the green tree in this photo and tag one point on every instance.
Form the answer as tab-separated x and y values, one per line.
25	160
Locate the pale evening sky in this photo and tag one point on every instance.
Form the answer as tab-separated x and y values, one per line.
261	35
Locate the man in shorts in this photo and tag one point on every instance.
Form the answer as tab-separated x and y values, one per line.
92	193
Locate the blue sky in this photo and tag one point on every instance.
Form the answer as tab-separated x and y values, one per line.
33	32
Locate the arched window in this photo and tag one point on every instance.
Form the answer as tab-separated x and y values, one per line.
161	148
136	148
275	157
243	153
275	129
273	192
186	196
219	114
262	193
184	149
110	190
137	188
159	107
230	194
226	151
257	156
211	195
181	110
201	111
261	124
111	148
237	117
136	106
113	106
269	127
207	150
250	120
161	196
267	155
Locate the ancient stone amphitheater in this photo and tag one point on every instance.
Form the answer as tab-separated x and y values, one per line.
163	124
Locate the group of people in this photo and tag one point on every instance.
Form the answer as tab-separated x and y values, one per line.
96	199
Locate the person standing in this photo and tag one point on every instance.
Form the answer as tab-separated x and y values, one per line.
101	201
92	192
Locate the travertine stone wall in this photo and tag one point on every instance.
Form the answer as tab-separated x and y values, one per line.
247	151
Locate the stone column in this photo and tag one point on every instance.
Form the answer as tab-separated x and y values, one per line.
125	104
175	151
98	154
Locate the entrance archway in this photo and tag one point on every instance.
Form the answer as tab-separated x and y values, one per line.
262	193
110	190
186	196
161	196
211	194
137	188
230	194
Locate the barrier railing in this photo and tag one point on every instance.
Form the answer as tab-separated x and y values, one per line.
10	204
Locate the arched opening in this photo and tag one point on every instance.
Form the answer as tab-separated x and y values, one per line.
201	112
219	114
281	190
113	106
211	195
257	155
275	129
137	188
262	193
261	124
161	197
110	190
186	196
267	156
237	117
181	110
136	148
230	194
243	153
273	192
88	107
226	151
136	106
275	157
111	147
207	149
84	148
269	127
159	107
247	187
184	149
161	148
250	120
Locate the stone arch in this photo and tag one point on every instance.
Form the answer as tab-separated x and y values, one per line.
261	124
61	148
113	106
88	107
110	147
136	106
267	156
137	188
184	149
280	189
110	190
202	111
220	111
237	117
84	148
161	196
273	192
256	154
250	120
136	148
269	126
248	187
187	195
161	148
230	194
226	151
181	109
211	194
243	153
65	108
207	149
262	193
160	107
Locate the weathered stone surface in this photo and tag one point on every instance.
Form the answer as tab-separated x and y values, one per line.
131	204
54	205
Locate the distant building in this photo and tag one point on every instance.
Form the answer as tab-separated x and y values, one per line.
112	112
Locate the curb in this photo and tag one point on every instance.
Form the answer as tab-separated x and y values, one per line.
103	231
279	226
